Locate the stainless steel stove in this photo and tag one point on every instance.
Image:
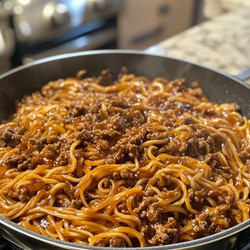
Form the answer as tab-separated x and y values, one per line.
48	27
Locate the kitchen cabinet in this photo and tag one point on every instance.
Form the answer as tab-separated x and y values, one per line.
142	23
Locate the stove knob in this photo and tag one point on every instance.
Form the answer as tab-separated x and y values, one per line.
60	15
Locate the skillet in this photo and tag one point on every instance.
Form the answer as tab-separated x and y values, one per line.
217	86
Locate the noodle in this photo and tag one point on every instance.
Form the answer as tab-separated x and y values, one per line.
131	163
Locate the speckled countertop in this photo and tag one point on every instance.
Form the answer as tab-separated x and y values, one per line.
222	43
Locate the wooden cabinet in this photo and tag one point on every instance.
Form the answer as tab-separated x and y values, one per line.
142	23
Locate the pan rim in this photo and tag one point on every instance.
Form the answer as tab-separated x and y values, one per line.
119	51
183	245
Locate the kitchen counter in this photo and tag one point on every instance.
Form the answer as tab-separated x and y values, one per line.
222	43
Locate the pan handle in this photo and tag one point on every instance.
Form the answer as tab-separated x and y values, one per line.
244	75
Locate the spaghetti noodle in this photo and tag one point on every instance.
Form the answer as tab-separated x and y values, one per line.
133	163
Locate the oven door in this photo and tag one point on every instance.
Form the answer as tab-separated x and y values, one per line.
102	39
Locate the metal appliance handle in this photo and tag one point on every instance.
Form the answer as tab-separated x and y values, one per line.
244	75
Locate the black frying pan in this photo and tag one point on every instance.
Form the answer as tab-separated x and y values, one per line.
24	80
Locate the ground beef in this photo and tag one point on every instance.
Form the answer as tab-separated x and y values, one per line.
197	196
76	204
63	159
148	209
199	226
197	92
106	78
127	147
26	194
201	144
212	159
37	144
165	233
198	144
123	72
126	174
163	180
219	139
11	137
26	164
123	151
14	161
84	134
158	136
225	171
10	194
103	145
222	197
177	147
178	85
203	225
117	242
78	110
145	204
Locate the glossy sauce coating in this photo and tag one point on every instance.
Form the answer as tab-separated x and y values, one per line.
126	162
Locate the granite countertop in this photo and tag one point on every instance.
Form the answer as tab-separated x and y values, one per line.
222	43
